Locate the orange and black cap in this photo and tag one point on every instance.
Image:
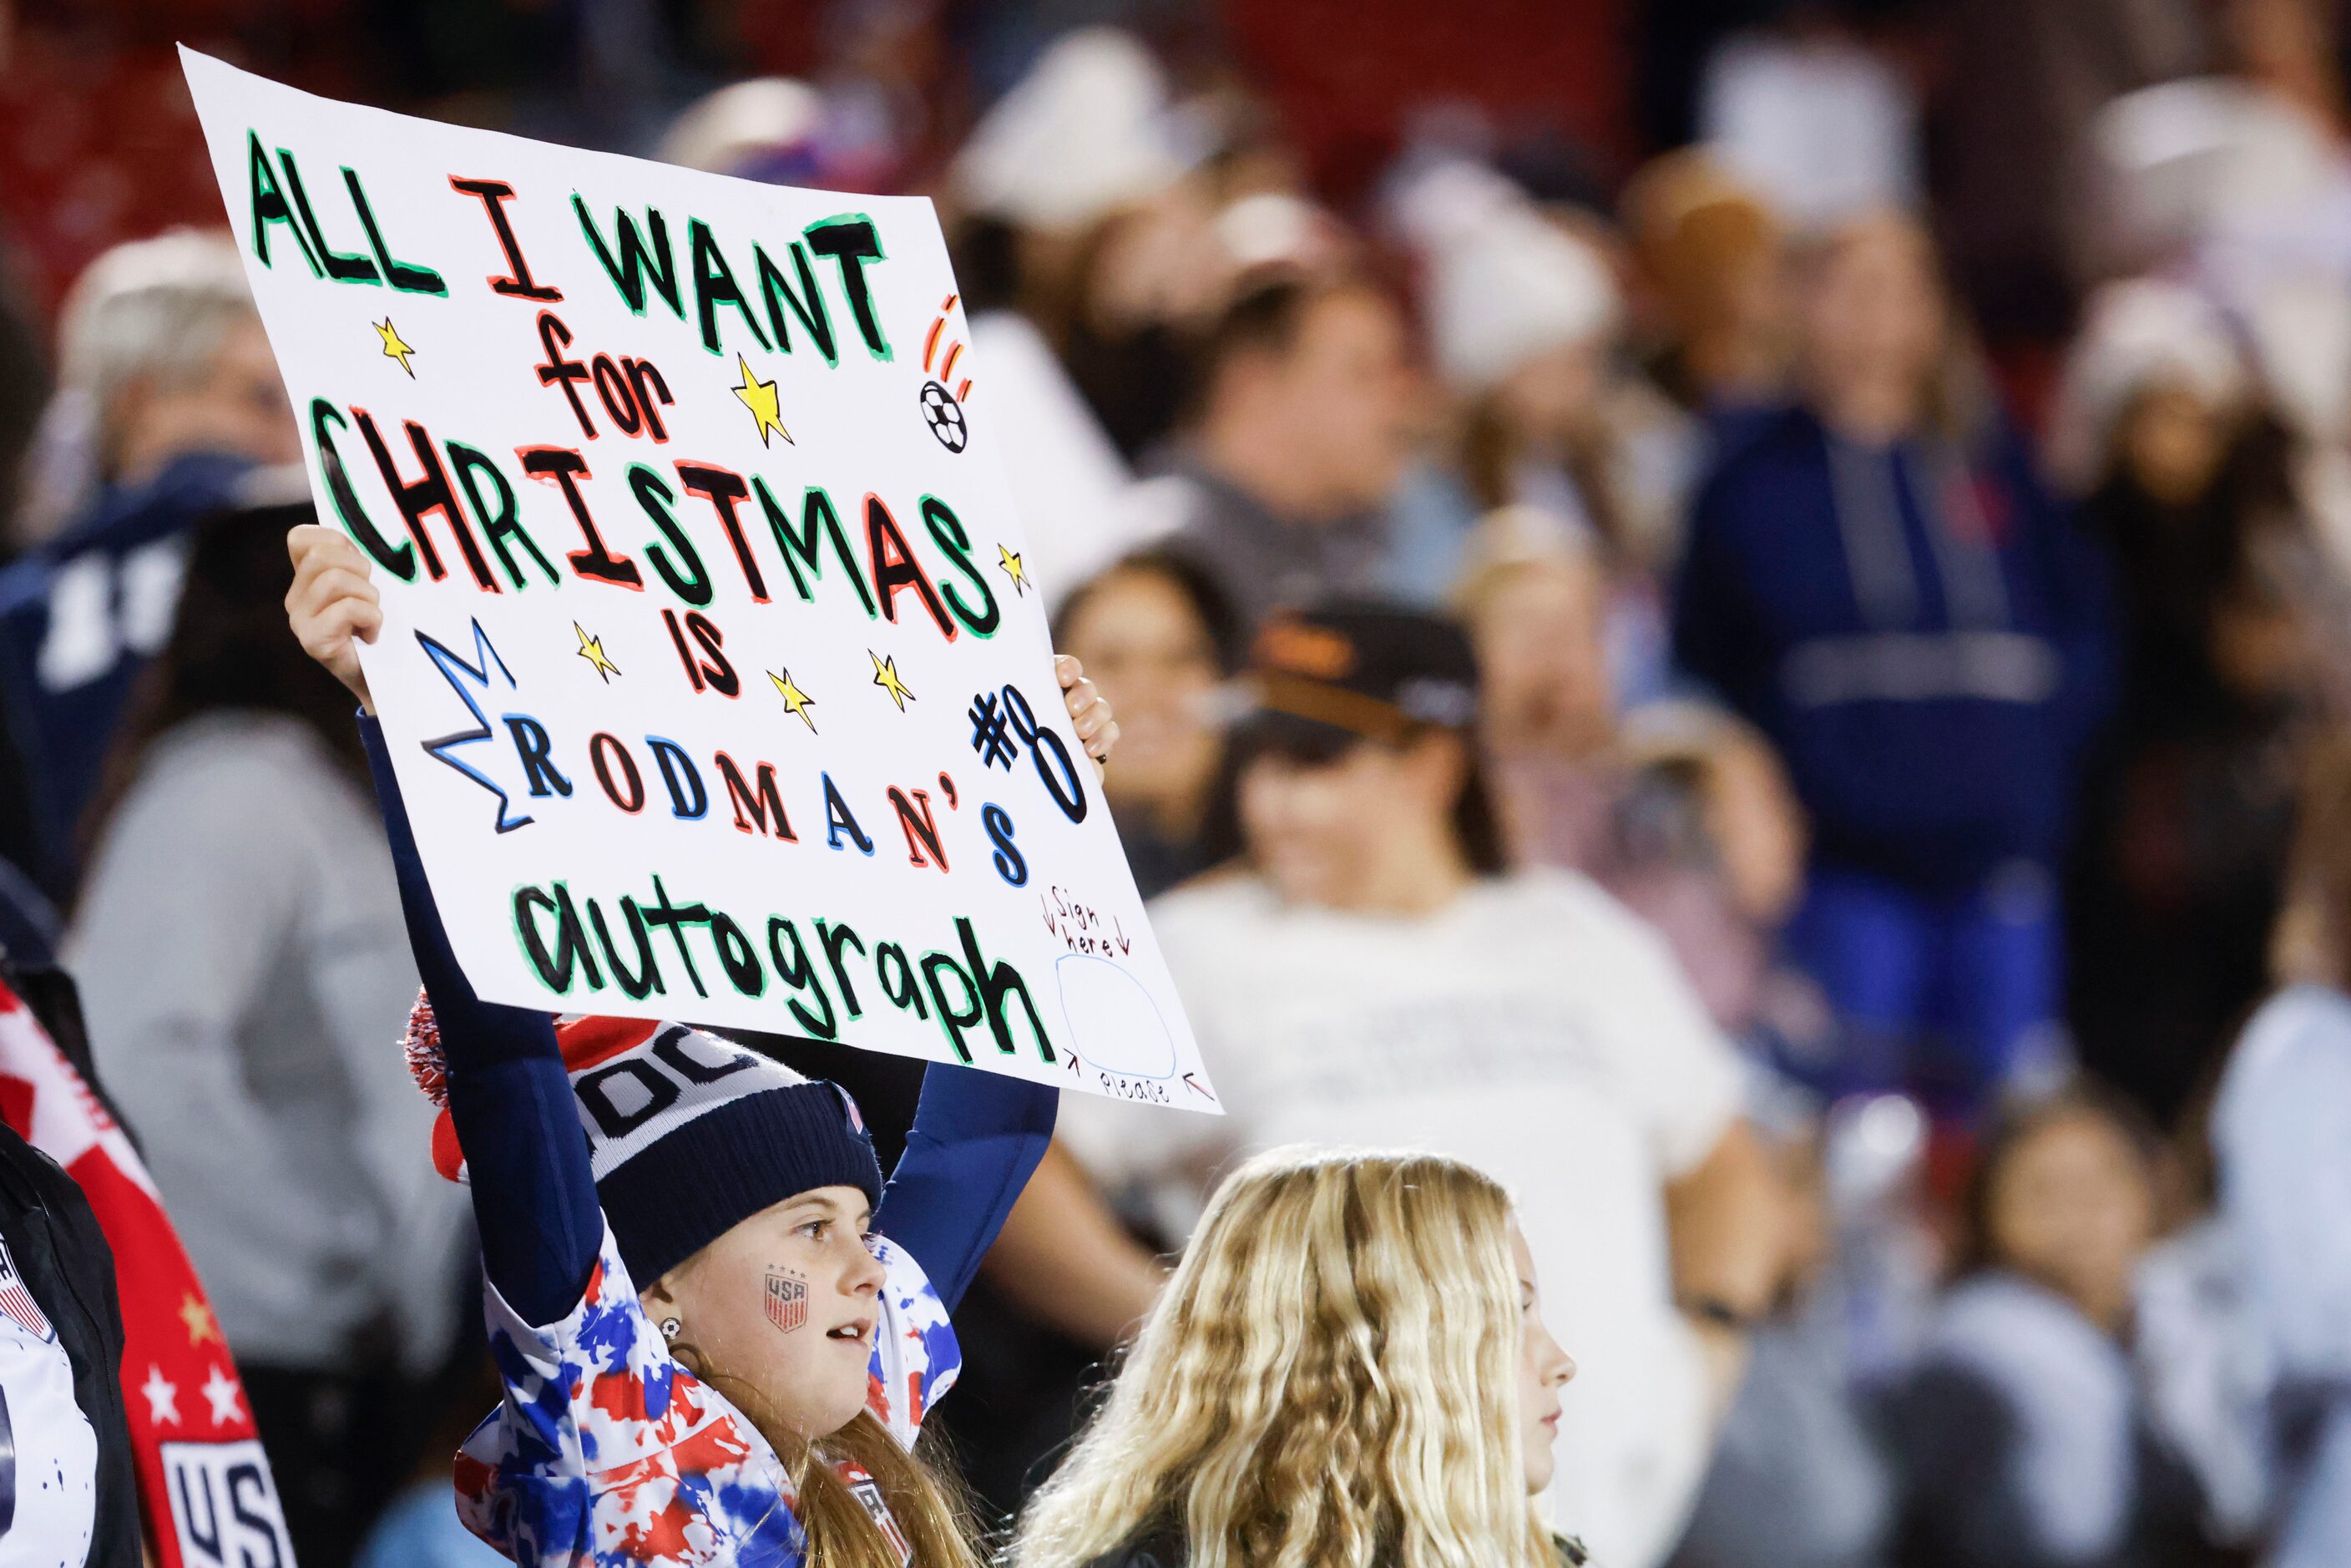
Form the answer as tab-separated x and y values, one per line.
1322	679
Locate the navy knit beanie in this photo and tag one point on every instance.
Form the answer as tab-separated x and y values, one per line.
688	1134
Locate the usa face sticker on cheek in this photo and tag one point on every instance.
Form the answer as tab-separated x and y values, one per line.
787	1300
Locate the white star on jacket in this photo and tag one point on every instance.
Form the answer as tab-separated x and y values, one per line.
220	1393
162	1397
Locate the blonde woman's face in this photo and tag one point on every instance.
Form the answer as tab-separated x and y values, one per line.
1543	1371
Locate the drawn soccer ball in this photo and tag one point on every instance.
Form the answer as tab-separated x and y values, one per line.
944	416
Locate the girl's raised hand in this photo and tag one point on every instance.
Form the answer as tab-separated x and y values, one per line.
1089	710
332	603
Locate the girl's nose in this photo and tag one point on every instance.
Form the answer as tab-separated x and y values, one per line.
865	1274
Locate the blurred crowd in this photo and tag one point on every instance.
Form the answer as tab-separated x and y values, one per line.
1775	676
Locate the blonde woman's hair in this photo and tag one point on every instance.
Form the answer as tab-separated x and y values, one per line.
1328	1381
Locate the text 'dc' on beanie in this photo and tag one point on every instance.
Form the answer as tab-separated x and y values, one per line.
688	1134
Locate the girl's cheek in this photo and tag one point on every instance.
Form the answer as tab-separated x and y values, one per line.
787	1298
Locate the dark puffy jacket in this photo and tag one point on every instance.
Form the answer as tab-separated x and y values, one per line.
69	1270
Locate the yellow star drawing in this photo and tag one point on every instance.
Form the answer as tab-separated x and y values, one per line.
1010	560
393	348
592	650
796	702
885	675
760	397
199	1319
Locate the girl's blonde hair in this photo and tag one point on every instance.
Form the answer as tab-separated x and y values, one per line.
929	1507
928	1504
1328	1381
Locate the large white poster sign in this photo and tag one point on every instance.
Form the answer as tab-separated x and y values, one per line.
712	670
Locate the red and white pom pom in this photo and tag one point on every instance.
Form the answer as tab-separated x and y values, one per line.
422	1045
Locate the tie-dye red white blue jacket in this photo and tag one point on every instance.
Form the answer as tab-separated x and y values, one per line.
606	1452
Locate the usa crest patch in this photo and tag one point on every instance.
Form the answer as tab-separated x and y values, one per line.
786	1300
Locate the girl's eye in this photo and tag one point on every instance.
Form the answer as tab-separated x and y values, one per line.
815	1229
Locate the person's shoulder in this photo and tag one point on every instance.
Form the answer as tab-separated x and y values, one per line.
34	1167
1760	440
1230	898
2302	1033
2300	1018
187	489
244	762
2012	1328
1555	901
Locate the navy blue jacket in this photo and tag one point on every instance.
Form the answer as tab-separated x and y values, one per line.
79	618
977	1135
1923	638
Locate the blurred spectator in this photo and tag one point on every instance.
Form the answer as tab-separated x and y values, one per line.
1878	581
421	1528
1084	138
1087	130
2282	1133
1307	420
2207	1369
2018	205
244	970
1714	260
1524	318
769	128
1813	117
1150	279
1798	1479
1531	597
2025	1431
160	355
2188	801
167	397
1375	976
2240	180
1708	845
1684	813
1155	635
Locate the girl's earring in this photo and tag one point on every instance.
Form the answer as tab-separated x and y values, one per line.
668	1328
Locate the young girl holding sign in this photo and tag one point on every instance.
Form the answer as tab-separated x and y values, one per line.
718	1330
1349	1366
